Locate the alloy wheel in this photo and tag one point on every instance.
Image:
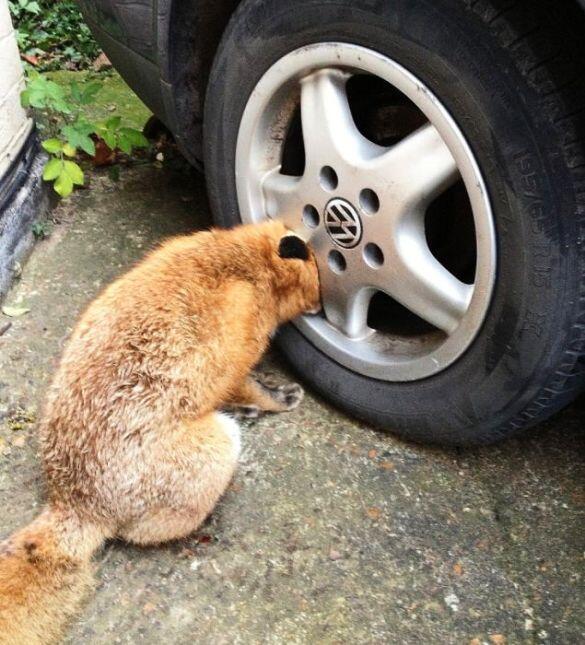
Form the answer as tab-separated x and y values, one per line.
391	198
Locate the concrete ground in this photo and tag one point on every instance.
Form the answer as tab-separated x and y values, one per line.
332	532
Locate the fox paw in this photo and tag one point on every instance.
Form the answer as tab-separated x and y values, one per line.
289	395
245	411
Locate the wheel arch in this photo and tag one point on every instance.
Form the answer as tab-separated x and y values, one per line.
188	34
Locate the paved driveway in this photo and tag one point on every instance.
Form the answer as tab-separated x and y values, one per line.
332	532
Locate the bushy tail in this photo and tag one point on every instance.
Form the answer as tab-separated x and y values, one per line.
45	572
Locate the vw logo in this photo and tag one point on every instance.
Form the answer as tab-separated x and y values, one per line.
343	223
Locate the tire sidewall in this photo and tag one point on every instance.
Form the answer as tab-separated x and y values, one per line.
449	48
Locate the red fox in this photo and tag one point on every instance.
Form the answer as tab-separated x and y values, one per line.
134	441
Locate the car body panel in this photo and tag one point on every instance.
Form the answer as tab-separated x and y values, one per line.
130	22
165	65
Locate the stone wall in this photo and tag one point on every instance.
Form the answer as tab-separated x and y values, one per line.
23	197
15	125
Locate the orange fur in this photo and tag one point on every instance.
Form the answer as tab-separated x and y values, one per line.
132	440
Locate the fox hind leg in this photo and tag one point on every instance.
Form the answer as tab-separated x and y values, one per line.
187	481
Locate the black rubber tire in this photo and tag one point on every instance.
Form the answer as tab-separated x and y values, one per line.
511	74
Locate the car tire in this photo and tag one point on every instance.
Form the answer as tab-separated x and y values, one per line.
510	75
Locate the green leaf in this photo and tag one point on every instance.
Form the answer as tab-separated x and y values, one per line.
61	105
113	123
56	97
124	143
136	138
52	169
77	136
33	7
37	98
63	185
40	230
110	138
87	145
66	175
74	172
14	311
107	134
42	92
83	126
69	150
52	145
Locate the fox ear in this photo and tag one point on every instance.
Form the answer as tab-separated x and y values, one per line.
292	247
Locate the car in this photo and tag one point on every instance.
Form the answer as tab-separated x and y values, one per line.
431	151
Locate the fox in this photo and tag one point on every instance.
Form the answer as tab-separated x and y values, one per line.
139	436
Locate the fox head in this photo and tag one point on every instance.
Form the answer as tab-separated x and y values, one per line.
295	277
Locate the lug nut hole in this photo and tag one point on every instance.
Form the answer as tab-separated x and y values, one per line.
336	262
328	178
373	255
310	216
369	201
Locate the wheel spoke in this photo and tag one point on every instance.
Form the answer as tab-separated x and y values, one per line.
282	198
346	307
422	284
329	131
416	170
345	298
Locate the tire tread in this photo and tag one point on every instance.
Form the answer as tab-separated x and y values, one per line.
561	86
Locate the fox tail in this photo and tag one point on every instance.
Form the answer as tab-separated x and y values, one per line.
45	573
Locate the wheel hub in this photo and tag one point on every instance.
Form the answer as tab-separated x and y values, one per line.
342	222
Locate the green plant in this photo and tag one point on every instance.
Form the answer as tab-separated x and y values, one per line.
117	136
20	8
62	118
52	33
40	229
